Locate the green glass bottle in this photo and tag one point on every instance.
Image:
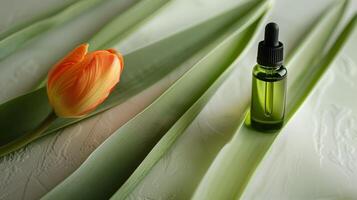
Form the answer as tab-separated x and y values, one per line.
269	83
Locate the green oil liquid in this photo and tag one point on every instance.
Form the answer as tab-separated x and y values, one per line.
268	97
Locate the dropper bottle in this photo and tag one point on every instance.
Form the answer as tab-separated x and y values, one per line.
269	83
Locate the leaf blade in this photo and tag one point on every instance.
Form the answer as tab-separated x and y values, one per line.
14	41
121	26
248	146
134	138
181	125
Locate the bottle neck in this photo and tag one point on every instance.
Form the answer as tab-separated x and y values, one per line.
270	67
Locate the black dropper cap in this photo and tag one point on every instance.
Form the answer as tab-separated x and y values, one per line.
270	50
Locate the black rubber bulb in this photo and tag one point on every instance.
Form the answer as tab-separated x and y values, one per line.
271	37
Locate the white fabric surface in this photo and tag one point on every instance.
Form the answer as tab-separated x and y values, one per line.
314	158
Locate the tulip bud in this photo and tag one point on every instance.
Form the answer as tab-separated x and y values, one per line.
81	80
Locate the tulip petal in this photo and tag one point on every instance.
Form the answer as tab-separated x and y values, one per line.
99	82
72	58
82	87
120	57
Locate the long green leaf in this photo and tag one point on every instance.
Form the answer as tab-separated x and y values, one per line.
180	160
143	68
47	13
14	41
34	110
112	163
118	28
235	45
34	106
237	161
121	26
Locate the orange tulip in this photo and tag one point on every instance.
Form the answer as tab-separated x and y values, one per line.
81	80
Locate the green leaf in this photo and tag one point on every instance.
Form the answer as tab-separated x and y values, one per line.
112	163
143	68
229	49
34	106
14	41
118	28
48	12
34	109
121	26
231	170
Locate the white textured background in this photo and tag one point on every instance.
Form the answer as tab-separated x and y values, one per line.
314	158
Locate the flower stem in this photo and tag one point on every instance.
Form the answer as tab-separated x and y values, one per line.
26	139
